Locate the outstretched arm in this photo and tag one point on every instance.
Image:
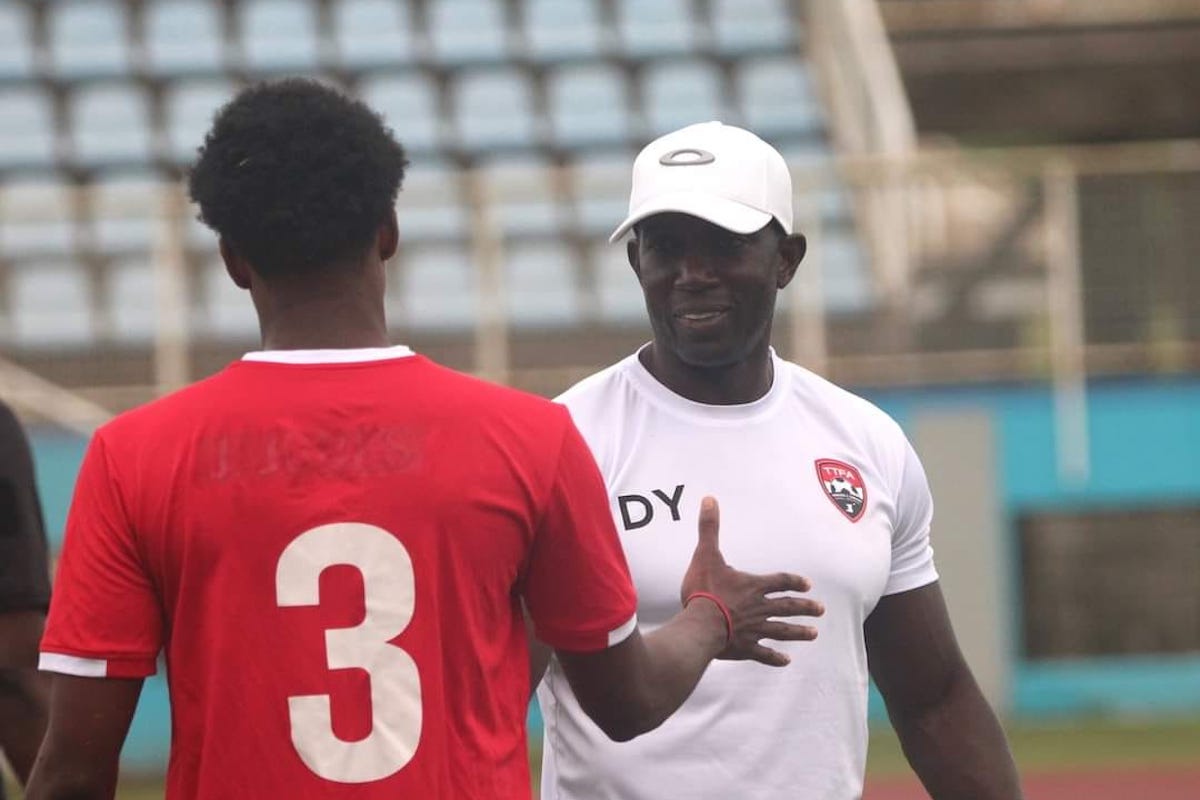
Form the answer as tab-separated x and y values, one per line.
633	687
949	734
89	718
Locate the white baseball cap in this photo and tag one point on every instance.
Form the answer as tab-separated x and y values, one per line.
719	173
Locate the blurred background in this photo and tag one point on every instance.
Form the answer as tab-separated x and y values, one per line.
1001	198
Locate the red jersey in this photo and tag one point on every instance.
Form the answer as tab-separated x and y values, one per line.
333	557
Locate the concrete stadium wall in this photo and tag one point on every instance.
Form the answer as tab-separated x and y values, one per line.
990	454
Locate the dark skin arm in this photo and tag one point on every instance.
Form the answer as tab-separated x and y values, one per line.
633	687
949	733
89	718
24	696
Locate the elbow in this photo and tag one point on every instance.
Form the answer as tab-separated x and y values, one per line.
623	721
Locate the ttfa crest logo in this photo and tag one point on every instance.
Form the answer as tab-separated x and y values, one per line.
844	486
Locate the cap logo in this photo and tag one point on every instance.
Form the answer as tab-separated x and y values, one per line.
686	157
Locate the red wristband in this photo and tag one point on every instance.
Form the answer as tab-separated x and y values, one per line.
721	605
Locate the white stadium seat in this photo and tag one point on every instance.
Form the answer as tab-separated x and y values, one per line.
436	288
656	27
110	123
523	197
36	218
88	37
27	135
741	26
408	103
462	31
373	32
589	106
562	29
540	285
430	204
777	97
189	108
226	310
183	36
617	288
16	42
680	93
126	213
280	35
494	108
49	302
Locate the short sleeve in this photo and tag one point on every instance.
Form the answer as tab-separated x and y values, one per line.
577	585
912	554
105	618
24	568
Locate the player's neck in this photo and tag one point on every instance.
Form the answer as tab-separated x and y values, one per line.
322	320
735	384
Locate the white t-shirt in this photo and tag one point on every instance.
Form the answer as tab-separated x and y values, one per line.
811	479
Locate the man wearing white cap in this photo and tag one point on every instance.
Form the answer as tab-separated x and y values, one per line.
817	481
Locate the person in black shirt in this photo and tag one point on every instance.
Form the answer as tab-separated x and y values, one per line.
24	597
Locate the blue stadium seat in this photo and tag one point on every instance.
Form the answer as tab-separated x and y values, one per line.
126	213
540	285
16	42
36	219
562	29
523	196
49	302
27	135
463	31
373	33
494	108
189	107
437	288
226	310
280	35
657	27
183	36
430	206
680	93
88	38
408	102
777	97
618	292
110	125
601	186
742	26
588	106
133	300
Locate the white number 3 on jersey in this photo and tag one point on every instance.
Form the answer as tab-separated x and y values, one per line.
388	589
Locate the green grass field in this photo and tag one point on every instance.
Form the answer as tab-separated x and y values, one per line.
1080	745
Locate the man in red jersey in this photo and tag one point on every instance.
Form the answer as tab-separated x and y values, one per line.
24	595
332	539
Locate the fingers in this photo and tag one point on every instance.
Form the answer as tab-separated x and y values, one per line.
785	582
710	524
787	631
794	607
765	655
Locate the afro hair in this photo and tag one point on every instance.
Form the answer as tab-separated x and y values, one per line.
296	176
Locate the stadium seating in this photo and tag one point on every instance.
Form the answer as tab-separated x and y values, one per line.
16	50
114	94
183	37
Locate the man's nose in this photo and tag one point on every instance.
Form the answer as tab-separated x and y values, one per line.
696	269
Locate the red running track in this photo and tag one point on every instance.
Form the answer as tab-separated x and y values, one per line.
1174	783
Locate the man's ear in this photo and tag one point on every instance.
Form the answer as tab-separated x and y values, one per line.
631	252
388	238
236	266
791	252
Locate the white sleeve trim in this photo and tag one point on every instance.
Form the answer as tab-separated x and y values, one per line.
73	665
622	633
